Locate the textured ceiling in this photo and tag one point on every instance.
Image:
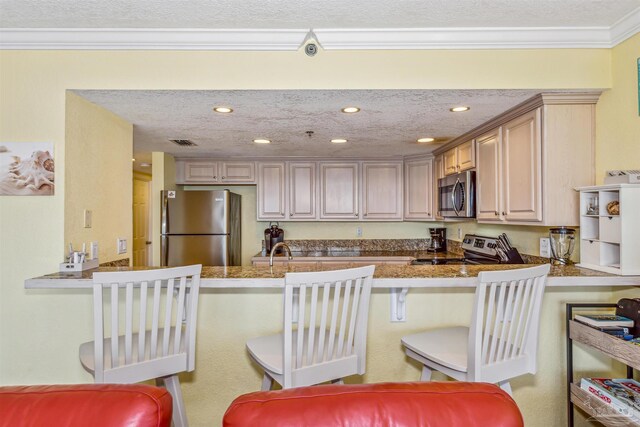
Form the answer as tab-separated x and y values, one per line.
283	14
388	124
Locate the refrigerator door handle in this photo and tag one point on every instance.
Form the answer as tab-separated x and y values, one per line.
165	213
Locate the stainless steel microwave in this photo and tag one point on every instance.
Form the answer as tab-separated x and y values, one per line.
457	195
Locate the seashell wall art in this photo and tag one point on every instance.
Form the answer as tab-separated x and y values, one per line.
26	169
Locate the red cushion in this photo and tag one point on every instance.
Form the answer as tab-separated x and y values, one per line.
96	405
429	404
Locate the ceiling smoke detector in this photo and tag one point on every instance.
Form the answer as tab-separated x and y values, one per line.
183	142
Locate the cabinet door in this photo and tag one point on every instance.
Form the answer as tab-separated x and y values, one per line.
521	168
271	191
242	172
438	172
200	172
466	156
381	190
418	189
489	189
302	190
450	161
339	190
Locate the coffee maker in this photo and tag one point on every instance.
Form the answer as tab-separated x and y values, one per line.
438	242
272	235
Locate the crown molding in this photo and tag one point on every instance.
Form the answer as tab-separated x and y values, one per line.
626	27
149	39
330	39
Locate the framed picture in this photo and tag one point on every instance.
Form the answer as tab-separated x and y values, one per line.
26	169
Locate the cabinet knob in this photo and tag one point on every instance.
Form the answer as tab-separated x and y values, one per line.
504	214
214	177
496	213
356	214
290	215
428	213
223	177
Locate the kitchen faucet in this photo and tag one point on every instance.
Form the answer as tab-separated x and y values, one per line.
273	251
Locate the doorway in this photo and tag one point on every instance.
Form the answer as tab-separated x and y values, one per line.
141	220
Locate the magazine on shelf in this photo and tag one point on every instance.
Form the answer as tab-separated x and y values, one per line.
622	399
600	320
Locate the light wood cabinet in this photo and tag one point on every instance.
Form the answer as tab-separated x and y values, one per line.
272	191
302	190
459	158
418	189
531	157
339	190
199	171
438	172
381	191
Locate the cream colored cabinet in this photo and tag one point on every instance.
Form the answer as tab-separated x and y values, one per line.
302	191
459	158
418	189
272	194
339	190
508	174
522	169
381	191
488	176
531	157
198	171
438	172
238	172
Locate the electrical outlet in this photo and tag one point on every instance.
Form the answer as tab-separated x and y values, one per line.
358	231
93	247
87	218
545	248
122	246
459	233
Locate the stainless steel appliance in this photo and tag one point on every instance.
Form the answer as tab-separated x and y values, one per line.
438	241
200	227
480	250
456	195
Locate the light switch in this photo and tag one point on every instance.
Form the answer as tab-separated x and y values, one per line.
87	218
358	231
122	245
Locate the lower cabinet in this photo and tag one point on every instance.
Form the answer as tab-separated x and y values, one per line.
336	263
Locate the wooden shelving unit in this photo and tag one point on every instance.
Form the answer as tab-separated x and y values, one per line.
616	348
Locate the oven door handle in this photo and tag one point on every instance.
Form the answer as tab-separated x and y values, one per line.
453	197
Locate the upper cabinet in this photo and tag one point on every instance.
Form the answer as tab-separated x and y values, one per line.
302	190
459	158
272	202
195	171
382	190
530	158
339	190
418	188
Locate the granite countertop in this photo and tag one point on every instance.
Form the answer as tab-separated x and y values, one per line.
316	254
385	276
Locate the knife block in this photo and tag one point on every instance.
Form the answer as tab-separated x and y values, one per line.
514	257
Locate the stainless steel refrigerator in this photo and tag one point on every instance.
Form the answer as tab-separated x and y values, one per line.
200	227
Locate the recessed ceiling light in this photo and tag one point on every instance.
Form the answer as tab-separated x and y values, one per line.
223	110
458	109
262	141
339	141
350	109
145	165
426	139
133	160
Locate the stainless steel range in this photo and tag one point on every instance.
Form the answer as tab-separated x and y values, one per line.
480	250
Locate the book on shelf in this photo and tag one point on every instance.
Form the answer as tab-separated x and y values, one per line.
621	398
600	320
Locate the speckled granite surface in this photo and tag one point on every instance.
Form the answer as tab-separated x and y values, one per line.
320	255
358	245
382	271
118	263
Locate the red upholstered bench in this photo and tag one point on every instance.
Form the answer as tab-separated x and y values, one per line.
95	405
432	404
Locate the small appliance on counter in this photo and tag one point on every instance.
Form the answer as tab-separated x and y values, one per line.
562	241
438	241
273	235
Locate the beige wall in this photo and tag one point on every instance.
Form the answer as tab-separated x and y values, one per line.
32	108
617	115
102	143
